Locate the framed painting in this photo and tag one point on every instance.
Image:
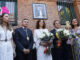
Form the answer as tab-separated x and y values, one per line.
39	11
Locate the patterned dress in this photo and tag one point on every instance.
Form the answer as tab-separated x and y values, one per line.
6	50
76	45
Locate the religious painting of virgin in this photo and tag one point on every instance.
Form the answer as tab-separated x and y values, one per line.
39	11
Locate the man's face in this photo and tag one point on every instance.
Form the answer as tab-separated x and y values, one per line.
25	23
57	24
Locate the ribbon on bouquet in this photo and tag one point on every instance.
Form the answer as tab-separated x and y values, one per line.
59	40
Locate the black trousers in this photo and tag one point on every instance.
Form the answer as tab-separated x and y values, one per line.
34	54
57	53
62	53
67	52
22	56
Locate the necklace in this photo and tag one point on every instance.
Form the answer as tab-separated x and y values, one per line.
27	34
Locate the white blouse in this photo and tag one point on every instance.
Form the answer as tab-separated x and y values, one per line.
37	34
5	34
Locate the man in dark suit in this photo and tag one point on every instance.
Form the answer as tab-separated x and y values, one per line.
24	42
56	51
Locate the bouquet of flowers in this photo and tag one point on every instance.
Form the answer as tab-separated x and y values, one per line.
63	35
77	34
46	37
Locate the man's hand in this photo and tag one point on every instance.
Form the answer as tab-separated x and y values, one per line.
26	51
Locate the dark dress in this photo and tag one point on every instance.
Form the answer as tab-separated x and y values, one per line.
64	52
56	51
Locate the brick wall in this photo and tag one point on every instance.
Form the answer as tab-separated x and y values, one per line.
77	8
25	11
78	5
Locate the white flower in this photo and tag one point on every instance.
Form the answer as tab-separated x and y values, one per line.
41	36
66	32
51	34
48	33
59	30
44	34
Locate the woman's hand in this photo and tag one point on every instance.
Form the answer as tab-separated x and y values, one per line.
50	42
14	54
70	42
44	44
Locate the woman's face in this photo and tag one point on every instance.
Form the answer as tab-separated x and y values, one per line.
57	24
6	18
74	22
41	23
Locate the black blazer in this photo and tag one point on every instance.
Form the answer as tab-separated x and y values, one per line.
21	39
55	38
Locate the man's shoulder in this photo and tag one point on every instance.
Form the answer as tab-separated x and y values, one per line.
29	30
18	28
52	30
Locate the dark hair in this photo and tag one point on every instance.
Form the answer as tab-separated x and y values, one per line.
1	22
73	25
24	19
55	21
3	14
37	24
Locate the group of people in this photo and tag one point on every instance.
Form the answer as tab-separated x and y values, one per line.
18	44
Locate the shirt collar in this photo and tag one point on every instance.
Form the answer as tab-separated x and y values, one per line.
24	28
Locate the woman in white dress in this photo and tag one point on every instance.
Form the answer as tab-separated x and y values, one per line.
40	46
6	42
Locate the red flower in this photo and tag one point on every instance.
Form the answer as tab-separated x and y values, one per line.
59	44
45	51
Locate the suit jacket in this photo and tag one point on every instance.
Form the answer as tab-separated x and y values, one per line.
21	39
55	38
